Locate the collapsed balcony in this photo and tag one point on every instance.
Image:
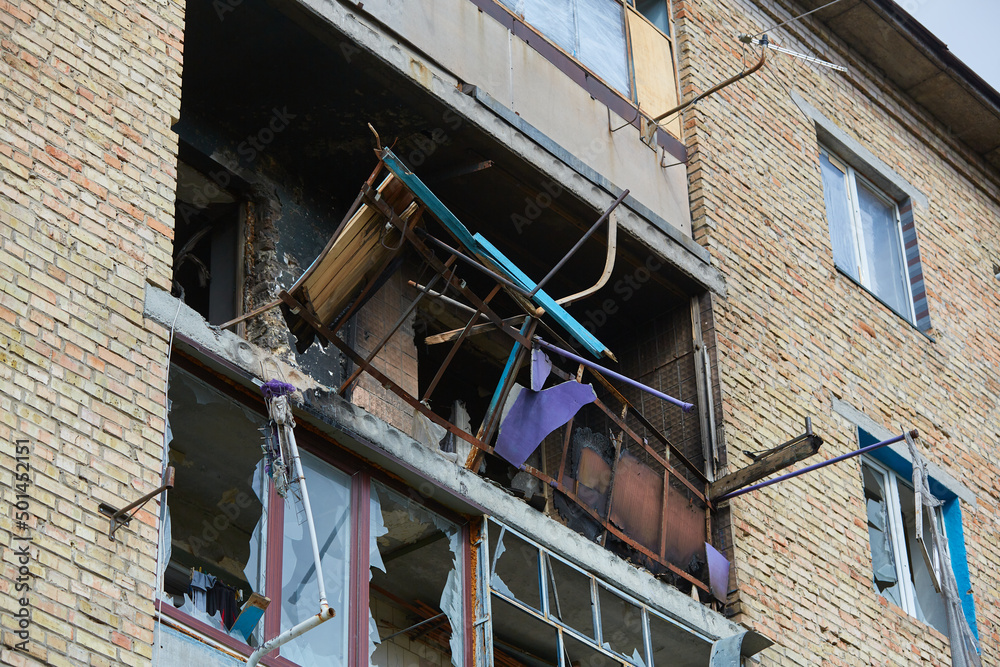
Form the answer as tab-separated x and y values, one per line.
443	347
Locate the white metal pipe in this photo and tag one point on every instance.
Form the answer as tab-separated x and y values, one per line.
325	614
296	461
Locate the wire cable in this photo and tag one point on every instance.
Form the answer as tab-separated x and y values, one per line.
796	18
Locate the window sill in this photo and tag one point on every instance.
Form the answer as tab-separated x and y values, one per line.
890	308
191	625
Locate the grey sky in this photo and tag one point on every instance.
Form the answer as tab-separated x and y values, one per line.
968	27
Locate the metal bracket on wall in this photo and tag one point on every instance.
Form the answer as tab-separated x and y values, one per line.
119	518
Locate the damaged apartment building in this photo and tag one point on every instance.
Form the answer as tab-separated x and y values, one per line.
513	333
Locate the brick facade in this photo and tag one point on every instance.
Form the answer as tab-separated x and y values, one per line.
86	214
795	334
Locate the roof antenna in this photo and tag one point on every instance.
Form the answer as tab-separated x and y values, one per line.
763	41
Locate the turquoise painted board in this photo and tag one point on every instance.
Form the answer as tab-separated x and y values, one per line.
542	299
429	199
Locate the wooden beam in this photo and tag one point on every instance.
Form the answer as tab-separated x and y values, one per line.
479	328
770	463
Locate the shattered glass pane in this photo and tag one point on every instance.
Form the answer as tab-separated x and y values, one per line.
520	638
578	654
621	624
515	569
569	596
331	490
416	587
880	536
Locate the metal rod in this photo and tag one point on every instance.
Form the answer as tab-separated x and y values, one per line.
392	332
118	518
446	299
412	627
472	262
686	407
572	251
816	466
730	80
246	316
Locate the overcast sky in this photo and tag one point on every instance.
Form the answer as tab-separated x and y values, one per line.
968	27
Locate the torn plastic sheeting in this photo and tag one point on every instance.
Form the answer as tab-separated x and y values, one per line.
427	432
535	414
376	529
252	571
964	647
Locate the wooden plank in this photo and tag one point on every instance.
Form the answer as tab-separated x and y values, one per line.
653	63
770	463
479	328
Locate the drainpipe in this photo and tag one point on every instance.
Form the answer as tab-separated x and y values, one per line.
325	614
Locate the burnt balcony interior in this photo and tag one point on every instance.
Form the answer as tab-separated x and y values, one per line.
275	145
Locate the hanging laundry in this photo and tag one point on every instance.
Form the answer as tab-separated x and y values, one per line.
222	598
535	414
200	584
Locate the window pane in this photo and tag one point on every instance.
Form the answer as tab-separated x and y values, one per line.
416	578
838	216
656	12
553	18
882	248
214	514
602	41
515	570
880	536
621	624
330	491
930	605
569	596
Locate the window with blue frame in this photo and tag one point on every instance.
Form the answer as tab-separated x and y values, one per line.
905	569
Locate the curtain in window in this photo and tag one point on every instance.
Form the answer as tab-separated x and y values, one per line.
839	216
883	250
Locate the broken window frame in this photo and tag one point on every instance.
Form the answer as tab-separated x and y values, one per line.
488	561
897	533
362	474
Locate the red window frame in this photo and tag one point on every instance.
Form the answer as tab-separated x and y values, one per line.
362	474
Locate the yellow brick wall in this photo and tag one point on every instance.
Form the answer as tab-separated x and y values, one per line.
793	333
87	174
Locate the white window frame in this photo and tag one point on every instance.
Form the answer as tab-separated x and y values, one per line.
890	482
860	256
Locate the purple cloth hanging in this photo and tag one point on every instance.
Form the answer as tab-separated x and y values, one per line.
535	414
541	366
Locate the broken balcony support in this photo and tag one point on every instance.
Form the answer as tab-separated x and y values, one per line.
454	348
380	377
576	246
837	459
388	336
769	462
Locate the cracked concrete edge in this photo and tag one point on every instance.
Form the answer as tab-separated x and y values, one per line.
464	491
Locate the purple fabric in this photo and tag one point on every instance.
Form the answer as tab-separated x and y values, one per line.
541	366
718	573
274	388
535	414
